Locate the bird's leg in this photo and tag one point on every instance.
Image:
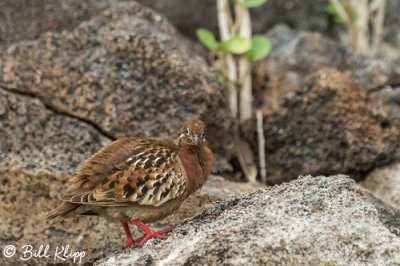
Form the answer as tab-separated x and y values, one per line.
148	233
128	234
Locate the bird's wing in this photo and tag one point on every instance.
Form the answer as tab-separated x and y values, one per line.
101	164
151	175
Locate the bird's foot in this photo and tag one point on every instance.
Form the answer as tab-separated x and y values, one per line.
149	234
131	242
128	234
162	234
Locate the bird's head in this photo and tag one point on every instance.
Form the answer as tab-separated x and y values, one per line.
192	133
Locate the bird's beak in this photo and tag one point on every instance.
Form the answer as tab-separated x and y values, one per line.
196	139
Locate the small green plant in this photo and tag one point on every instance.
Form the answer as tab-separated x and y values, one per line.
235	46
254	49
332	10
363	20
260	48
235	52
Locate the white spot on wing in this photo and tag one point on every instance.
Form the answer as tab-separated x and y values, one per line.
139	154
145	200
133	197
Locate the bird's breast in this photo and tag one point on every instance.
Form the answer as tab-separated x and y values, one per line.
196	167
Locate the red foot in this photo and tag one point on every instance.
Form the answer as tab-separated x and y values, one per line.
148	233
128	234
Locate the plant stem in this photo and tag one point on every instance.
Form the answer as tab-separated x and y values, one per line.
351	34
360	25
341	11
261	146
245	90
238	19
225	23
365	32
380	6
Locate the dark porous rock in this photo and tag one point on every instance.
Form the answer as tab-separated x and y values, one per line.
127	72
328	126
25	20
298	54
35	139
309	221
39	150
190	15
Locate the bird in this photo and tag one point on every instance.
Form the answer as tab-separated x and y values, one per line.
140	180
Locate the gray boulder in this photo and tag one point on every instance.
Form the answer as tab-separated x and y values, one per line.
309	221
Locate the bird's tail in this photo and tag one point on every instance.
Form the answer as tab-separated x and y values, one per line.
62	210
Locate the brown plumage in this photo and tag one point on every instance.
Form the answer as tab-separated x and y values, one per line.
140	180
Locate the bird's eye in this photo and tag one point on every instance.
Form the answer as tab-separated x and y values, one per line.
187	132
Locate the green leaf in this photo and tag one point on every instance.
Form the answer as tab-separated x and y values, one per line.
253	3
236	45
331	10
260	48
207	38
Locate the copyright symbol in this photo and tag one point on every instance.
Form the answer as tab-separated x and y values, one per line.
9	251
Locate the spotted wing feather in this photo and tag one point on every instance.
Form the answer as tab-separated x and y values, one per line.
151	175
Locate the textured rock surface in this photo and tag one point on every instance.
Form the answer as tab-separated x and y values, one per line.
384	183
35	139
328	126
310	221
298	54
39	150
390	97
130	74
24	20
